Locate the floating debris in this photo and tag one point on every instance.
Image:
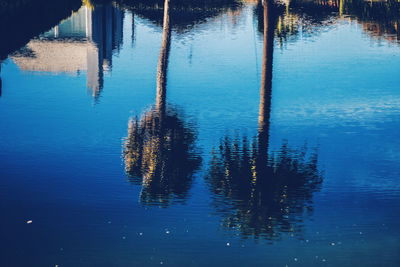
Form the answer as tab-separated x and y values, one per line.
228	244
29	221
167	232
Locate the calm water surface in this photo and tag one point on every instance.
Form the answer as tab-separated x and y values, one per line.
217	133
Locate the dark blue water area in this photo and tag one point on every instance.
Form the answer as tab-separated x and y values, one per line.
70	192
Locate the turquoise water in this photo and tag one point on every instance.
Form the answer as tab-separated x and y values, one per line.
120	149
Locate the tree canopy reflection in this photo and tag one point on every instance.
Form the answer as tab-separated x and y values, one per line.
378	18
160	148
185	13
263	194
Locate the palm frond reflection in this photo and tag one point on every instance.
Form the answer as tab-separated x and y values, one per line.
160	151
263	194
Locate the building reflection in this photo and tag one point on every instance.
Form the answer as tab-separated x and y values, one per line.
160	151
258	193
20	21
86	41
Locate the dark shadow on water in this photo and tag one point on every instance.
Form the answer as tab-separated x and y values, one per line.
21	21
160	152
258	193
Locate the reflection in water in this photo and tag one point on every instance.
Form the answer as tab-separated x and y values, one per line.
378	18
1	81
185	13
85	41
266	194
21	21
160	147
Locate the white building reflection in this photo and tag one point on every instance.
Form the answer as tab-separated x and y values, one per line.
85	41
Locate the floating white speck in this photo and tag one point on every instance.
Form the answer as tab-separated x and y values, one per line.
161	262
307	240
29	221
360	233
324	260
228	244
167	232
295	259
140	233
109	222
333	243
124	237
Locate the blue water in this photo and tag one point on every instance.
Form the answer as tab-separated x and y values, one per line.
335	90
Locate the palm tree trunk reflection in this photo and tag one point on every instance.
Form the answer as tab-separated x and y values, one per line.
266	194
163	61
266	83
160	148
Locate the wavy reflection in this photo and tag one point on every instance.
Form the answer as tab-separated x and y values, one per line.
379	19
262	194
160	150
185	13
86	41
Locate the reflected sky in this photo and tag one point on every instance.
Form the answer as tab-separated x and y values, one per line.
92	147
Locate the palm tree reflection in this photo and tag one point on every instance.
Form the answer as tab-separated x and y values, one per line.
261	194
160	148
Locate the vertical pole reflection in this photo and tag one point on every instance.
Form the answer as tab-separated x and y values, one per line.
266	85
1	81
163	61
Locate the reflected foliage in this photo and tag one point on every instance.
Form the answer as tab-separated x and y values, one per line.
160	154
263	196
378	18
160	150
308	18
259	194
184	13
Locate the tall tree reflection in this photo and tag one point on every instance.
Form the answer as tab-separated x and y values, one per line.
160	148
260	194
